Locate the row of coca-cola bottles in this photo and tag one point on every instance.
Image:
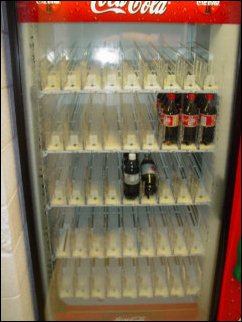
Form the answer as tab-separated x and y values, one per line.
191	112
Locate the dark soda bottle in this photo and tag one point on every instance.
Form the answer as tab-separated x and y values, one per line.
190	120
171	121
131	177
125	160
148	176
208	120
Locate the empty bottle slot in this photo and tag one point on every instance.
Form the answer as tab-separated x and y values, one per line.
92	77
150	68
130	247
83	272
112	78
194	179
81	234
145	288
66	279
129	279
97	236
161	231
130	135
191	276
71	68
58	186
171	69
50	72
204	61
114	280
95	188
75	127
98	280
146	243
114	237
160	281
111	128
93	140
130	70
179	180
54	120
178	237
175	277
148	139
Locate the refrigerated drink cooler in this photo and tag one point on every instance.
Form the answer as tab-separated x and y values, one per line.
96	81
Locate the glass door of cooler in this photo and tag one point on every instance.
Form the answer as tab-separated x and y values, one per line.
105	78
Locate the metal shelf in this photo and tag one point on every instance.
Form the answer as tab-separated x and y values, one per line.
74	92
45	153
50	207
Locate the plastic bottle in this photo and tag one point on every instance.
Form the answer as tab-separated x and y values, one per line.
171	121
131	177
208	120
190	120
148	176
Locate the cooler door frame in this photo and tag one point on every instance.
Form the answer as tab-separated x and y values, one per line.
26	175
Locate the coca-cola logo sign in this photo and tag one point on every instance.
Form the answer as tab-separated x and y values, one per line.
132	7
208	7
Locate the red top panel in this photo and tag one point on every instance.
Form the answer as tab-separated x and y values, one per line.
208	12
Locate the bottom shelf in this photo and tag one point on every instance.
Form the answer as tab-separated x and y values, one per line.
171	308
157	312
128	281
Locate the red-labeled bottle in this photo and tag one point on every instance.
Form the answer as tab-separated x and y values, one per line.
208	120
190	120
171	121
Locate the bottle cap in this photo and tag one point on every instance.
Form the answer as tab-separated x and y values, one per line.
191	97
171	97
132	156
209	97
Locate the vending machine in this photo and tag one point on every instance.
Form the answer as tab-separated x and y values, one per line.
129	125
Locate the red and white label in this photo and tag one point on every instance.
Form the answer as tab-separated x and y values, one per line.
189	120
208	120
171	120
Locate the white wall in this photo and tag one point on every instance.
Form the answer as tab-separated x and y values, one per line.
16	275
